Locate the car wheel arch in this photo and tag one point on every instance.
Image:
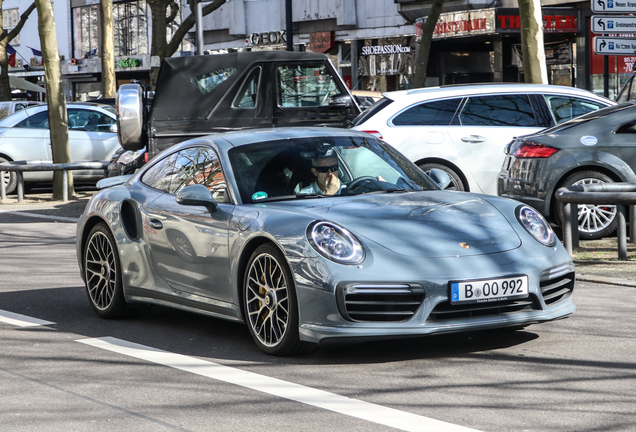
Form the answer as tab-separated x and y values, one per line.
449	165
88	226
244	257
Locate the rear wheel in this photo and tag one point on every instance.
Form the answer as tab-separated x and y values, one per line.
9	178
456	183
271	307
595	221
102	274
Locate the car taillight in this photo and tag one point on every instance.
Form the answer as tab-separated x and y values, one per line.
374	133
146	157
534	151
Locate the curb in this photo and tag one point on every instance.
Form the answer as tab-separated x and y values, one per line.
606	280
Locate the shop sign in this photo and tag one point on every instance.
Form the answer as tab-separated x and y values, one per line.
386	56
268	38
129	62
554	20
462	23
322	42
385	49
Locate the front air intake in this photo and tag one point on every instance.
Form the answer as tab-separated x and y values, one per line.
379	302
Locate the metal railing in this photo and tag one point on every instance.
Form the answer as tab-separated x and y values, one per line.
618	194
19	167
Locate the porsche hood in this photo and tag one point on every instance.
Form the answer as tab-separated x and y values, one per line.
424	225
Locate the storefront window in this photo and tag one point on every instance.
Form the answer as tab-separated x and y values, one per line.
130	21
86	31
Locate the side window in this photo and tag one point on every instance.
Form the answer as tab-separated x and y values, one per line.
39	120
499	110
199	165
246	97
104	122
436	113
627	128
205	83
623	96
79	119
567	107
160	175
305	86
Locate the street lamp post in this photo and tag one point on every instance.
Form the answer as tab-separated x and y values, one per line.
289	27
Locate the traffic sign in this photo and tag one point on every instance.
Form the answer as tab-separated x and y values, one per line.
614	46
613	24
612	6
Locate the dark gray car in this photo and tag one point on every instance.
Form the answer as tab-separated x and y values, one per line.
599	147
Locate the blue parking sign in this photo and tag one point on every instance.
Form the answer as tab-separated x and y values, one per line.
610	46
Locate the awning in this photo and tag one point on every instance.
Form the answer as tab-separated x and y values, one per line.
23	84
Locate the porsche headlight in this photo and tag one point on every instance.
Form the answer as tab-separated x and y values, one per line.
536	225
335	243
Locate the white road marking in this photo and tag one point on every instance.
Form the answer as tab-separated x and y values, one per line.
21	320
276	387
34	215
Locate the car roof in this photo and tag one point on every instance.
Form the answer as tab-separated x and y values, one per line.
488	88
251	136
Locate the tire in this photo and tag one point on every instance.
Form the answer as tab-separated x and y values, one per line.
595	221
456	183
10	178
270	303
102	274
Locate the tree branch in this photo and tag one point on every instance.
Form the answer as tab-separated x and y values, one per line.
187	24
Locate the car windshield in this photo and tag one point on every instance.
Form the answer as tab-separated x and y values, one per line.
290	168
602	113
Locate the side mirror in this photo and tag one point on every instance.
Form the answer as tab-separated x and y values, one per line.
197	195
129	105
340	101
113	127
440	177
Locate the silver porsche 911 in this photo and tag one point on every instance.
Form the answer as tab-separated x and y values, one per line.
317	235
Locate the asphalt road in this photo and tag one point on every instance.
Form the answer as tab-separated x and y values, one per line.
80	373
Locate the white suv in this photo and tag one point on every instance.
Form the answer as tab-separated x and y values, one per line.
463	129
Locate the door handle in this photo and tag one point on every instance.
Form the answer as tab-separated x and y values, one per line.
155	224
474	139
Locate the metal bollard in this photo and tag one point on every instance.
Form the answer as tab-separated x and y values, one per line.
622	232
632	223
568	228
65	185
3	188
20	178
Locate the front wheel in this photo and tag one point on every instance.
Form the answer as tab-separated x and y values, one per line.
595	221
456	183
271	308
102	273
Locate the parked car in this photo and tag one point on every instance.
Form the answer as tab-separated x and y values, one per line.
9	107
366	98
599	147
463	129
219	225
25	135
628	91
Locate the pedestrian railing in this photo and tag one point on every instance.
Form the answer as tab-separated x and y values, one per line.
618	194
19	167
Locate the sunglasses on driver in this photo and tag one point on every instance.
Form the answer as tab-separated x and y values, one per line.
324	169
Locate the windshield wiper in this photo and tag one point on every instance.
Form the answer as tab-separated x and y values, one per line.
311	195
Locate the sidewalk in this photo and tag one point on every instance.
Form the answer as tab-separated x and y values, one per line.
595	260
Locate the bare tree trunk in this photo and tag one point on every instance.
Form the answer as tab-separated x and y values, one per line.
532	49
54	94
423	52
5	39
109	85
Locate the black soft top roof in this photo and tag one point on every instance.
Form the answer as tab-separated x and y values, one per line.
176	98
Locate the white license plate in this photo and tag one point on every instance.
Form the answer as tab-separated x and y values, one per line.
489	290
